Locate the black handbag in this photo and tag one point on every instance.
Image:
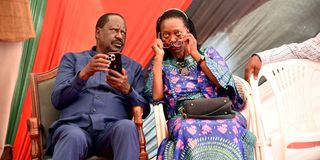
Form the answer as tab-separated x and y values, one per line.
208	108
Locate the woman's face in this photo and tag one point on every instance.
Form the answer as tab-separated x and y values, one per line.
172	32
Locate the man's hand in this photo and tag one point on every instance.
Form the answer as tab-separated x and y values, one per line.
119	81
253	66
98	62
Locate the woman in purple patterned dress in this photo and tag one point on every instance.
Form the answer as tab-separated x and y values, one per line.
181	73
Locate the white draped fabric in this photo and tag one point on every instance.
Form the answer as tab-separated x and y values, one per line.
10	55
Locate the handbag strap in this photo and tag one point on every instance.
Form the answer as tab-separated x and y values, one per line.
224	116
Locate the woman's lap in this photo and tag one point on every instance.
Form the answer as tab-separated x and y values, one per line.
201	139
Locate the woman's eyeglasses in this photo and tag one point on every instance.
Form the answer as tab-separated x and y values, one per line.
177	43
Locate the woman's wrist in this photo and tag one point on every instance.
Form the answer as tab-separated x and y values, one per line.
196	56
157	61
201	60
158	57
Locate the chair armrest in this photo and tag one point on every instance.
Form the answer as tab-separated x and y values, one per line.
137	116
307	140
33	127
161	125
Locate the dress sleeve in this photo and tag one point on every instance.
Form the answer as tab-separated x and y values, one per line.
148	86
221	71
218	67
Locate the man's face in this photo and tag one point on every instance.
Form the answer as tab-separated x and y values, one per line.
112	36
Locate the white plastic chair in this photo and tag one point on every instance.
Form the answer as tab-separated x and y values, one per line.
249	112
296	88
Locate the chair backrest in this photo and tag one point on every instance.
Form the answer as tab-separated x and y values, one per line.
245	91
41	85
295	85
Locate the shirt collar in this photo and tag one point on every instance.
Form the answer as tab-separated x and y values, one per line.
93	51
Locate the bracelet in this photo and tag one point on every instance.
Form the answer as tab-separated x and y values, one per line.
202	59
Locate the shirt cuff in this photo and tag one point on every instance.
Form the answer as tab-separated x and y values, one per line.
263	56
78	83
133	97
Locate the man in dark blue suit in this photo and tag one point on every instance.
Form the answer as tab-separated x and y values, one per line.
95	101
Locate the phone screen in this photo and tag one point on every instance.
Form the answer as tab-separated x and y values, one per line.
116	63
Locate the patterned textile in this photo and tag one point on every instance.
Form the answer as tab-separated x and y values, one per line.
201	139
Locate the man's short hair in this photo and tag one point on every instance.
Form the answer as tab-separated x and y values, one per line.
105	18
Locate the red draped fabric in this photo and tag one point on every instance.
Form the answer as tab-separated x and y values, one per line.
70	25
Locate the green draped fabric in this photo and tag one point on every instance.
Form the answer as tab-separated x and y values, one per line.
29	51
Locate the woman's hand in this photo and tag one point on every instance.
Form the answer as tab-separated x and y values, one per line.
157	83
191	44
192	48
157	48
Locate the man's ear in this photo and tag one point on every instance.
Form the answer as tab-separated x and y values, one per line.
98	30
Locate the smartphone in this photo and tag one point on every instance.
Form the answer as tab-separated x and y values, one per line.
116	63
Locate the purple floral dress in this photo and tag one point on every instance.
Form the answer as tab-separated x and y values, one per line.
201	139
